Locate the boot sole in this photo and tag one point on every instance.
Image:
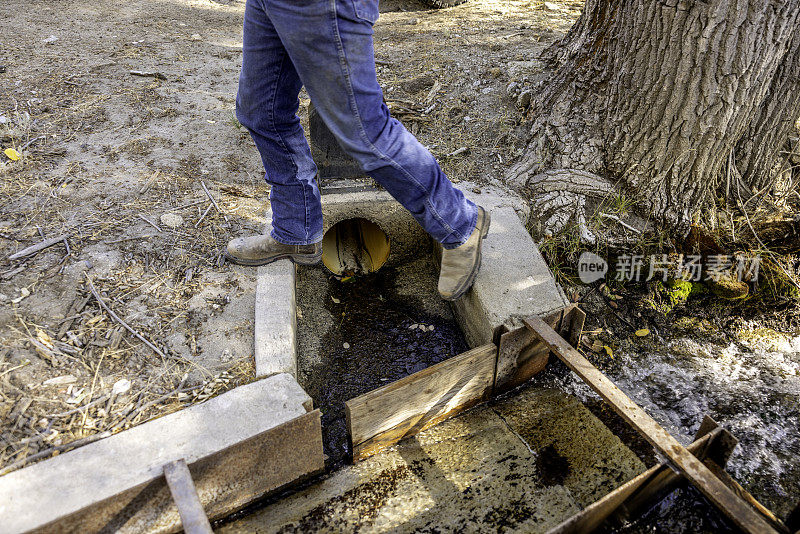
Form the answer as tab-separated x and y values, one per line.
471	279
308	260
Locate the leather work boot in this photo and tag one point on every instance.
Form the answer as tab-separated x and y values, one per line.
460	265
262	249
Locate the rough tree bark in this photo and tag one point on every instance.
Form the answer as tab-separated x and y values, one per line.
657	97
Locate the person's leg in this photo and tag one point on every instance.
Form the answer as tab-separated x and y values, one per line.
330	44
266	105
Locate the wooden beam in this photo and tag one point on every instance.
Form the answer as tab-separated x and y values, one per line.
735	508
522	355
643	487
181	486
720	446
382	417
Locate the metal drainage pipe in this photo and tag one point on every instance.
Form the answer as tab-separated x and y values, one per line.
354	246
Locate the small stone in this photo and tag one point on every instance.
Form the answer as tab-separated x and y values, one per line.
413	326
335	300
121	387
50	40
512	89
524	99
24	293
430	328
346	345
171	220
495	72
551	6
196	37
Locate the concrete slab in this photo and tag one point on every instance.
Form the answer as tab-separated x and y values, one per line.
239	445
275	329
573	447
487	470
514	280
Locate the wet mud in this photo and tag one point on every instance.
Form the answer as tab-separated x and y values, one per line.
373	334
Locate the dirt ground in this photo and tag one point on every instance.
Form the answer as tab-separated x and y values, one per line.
122	112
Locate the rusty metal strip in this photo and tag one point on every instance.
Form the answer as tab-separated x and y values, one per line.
736	509
181	485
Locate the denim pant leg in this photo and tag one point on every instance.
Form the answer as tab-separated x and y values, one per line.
330	44
266	105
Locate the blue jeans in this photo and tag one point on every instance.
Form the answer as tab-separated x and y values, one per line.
326	46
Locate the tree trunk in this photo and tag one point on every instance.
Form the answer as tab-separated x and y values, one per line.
658	96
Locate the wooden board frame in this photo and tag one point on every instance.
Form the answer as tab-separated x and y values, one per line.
384	416
727	499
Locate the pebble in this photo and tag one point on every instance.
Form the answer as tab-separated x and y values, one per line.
413	326
524	99
196	37
51	39
121	387
171	220
346	345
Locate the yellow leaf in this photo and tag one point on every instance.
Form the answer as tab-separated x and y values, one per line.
609	351
12	154
643	332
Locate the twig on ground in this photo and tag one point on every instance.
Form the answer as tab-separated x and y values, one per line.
79	409
203	216
148	221
149	183
145	236
213	201
33	249
147	74
134	413
620	221
457	152
23	364
114	316
58	448
29	143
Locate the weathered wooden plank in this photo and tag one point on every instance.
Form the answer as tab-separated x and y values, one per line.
522	355
737	510
720	446
574	319
645	485
403	408
745	495
181	486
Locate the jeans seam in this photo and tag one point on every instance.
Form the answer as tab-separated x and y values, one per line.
307	214
363	133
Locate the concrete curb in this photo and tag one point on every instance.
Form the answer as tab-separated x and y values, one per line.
275	341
